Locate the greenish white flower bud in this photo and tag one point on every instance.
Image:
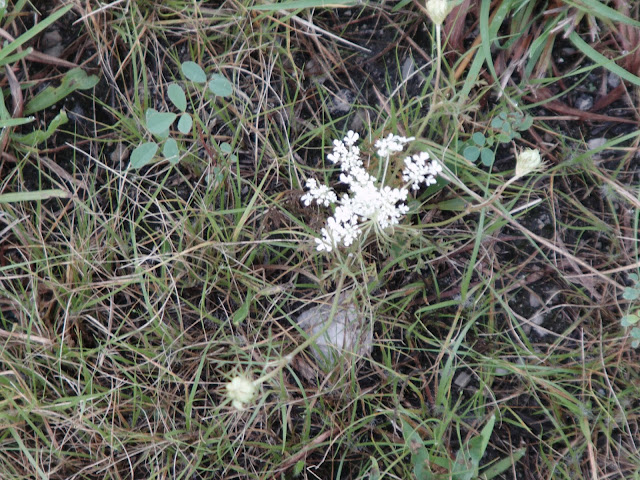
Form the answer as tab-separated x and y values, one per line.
438	10
528	161
241	391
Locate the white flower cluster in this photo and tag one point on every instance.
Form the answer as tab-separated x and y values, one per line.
241	391
366	200
418	170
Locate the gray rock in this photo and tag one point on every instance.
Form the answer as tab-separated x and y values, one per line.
349	333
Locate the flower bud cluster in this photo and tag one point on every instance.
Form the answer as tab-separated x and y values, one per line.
367	201
241	391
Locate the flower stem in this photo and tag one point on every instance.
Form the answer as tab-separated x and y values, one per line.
436	87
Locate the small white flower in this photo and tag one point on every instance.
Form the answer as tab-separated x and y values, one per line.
438	10
392	144
322	194
241	391
351	138
528	161
418	171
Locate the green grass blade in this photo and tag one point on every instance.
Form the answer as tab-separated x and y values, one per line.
602	60
28	35
593	7
300	4
14	122
30	196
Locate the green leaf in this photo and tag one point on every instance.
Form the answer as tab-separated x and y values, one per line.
487	157
469	456
194	72
629	320
503	137
525	124
593	7
32	32
243	312
419	453
497	123
220	86
298	468
603	61
143	154
504	464
74	79
631	293
159	122
374	471
39	136
300	4
184	123
14	122
225	148
171	152
471	153
30	196
177	96
478	139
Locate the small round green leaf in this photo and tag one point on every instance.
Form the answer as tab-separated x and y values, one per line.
194	72
471	153
171	151
526	123
220	86
504	137
487	157
225	147
631	293
478	139
143	154
185	123
629	320
159	122
177	96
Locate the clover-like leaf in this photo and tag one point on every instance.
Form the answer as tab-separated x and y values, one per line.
185	123
471	153
194	72
177	96
158	123
487	157
629	320
220	86
143	154
478	139
631	293
171	151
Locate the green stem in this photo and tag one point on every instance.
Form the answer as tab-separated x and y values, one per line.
436	88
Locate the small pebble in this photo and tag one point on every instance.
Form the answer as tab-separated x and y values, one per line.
342	101
594	143
51	43
462	380
613	80
584	102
